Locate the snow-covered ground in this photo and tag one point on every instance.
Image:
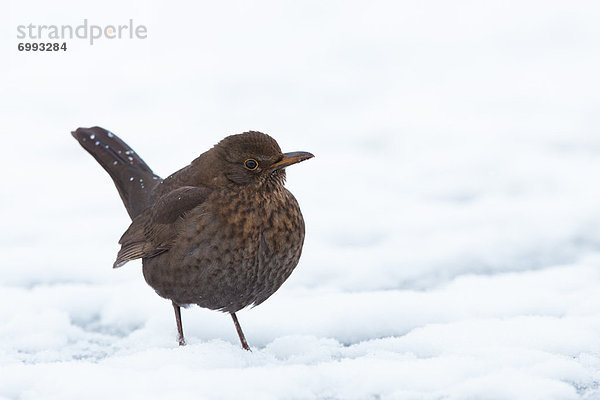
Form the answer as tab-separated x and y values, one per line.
452	209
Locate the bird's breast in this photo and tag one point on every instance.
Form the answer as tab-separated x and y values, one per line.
236	249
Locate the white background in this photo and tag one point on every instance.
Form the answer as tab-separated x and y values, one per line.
452	209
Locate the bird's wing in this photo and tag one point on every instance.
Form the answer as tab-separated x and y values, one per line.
154	230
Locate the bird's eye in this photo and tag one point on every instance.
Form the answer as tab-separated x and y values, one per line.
251	164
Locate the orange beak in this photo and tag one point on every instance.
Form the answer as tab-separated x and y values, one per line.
291	158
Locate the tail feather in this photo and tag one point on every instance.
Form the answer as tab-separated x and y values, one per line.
132	176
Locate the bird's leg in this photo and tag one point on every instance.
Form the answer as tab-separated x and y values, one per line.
240	333
180	337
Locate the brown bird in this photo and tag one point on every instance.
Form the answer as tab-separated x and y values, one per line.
223	233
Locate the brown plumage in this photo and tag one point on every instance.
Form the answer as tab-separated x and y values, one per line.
223	233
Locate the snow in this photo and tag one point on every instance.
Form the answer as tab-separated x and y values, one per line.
452	214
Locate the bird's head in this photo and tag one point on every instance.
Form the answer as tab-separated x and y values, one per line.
255	158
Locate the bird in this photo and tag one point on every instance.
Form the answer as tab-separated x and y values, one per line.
222	233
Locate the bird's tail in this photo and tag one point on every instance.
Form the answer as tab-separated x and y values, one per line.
132	177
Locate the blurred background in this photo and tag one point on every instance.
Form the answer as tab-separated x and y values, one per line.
450	137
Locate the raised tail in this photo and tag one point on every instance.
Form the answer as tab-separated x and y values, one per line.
134	180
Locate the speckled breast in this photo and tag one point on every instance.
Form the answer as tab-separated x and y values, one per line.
234	250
